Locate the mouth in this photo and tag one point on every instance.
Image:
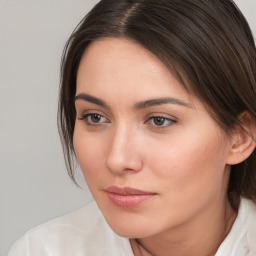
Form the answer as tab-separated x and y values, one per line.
127	197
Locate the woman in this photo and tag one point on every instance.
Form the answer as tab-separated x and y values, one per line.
157	104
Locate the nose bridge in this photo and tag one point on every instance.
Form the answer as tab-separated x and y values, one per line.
123	153
121	136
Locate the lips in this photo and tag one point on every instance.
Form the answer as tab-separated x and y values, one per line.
127	197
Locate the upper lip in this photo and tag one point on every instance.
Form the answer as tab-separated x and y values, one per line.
127	191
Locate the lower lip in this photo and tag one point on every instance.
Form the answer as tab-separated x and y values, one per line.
128	201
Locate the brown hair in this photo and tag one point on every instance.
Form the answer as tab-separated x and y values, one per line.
206	44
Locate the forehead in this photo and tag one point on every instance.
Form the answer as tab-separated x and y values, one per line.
120	58
123	68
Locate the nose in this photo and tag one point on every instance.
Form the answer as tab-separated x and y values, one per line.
123	154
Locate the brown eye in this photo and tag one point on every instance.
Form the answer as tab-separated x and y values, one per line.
159	121
95	118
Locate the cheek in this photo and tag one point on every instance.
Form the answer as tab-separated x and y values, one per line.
187	176
187	164
89	151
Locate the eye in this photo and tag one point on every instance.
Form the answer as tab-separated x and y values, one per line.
94	119
160	121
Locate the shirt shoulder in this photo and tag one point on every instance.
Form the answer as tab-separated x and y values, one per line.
241	241
82	232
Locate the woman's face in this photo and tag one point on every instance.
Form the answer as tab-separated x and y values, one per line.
152	156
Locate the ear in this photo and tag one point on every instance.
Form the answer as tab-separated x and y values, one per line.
243	140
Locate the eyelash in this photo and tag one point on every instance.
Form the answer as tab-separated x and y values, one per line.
148	122
163	119
90	115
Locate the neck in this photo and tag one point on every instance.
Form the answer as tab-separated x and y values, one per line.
200	236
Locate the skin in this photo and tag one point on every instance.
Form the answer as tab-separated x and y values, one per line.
183	160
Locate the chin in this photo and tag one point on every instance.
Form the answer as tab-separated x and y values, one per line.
130	232
132	227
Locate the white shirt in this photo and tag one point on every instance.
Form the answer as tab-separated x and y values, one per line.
86	233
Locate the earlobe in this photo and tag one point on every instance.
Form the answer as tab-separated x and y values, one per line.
243	140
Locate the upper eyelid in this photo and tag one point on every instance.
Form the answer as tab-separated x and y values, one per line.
89	114
91	111
164	115
166	118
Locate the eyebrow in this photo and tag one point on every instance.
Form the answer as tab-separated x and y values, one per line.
92	99
139	105
161	101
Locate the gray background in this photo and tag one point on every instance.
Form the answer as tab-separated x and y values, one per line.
34	186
